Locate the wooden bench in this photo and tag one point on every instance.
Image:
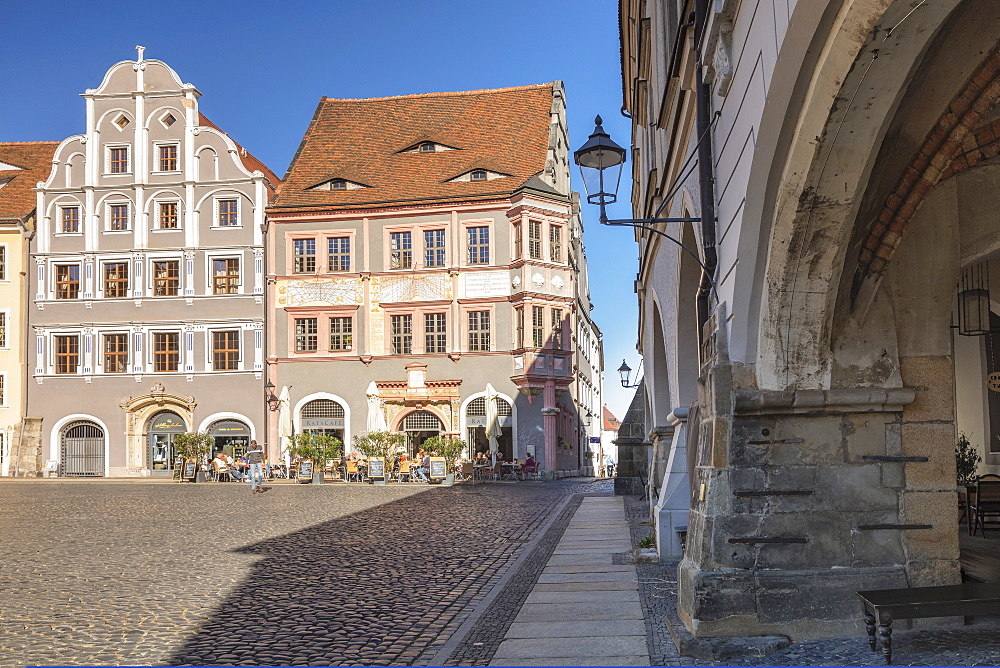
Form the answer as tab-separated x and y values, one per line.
885	605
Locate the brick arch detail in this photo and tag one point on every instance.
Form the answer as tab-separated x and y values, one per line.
957	142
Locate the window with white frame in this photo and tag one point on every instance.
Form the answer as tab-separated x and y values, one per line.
534	240
341	334
401	334
118	159
67	353
69	217
67	281
3	328
555	243
166	351
166	158
114	351
115	278
227	212
339	252
165	276
306	335
478	243
401	250
434	248
435	333
479	331
226	350
303	256
168	215
225	275
118	217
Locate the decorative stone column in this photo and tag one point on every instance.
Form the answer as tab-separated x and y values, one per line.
670	513
549	413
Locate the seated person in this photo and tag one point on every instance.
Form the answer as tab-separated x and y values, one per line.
219	464
234	469
420	470
529	464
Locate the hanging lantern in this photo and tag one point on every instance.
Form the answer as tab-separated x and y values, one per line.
974	301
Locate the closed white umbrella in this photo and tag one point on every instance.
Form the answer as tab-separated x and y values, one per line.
376	418
284	422
493	430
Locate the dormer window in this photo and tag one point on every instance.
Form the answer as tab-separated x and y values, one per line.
478	174
428	147
338	184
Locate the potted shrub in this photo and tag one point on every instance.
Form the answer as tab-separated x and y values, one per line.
450	448
318	448
382	444
194	445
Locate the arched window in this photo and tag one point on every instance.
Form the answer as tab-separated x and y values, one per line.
421	421
477	407
323	409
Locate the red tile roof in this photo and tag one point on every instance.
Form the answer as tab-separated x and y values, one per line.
504	130
251	163
611	423
34	158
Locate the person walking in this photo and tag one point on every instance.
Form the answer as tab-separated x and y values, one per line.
255	457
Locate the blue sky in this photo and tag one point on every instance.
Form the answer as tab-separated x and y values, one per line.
262	68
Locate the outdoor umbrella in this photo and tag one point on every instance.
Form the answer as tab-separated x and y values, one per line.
376	419
284	422
492	418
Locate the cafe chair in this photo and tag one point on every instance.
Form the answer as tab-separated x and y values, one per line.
986	509
468	472
220	473
404	470
352	471
529	471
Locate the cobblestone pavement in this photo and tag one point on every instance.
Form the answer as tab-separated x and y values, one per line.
976	644
162	573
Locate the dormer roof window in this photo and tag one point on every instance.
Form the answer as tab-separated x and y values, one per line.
428	147
338	184
478	174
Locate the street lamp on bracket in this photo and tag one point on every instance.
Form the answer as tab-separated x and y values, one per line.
601	154
624	371
270	399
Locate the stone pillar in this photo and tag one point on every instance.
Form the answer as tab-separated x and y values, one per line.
800	501
551	440
670	514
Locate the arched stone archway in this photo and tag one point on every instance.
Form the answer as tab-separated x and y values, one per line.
836	434
138	411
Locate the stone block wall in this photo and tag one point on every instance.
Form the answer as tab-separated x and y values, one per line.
819	494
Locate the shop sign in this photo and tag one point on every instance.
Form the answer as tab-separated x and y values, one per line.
322	422
439	468
229	429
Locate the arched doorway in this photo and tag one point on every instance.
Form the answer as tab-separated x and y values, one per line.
475	427
418	427
324	417
160	451
82	450
230	436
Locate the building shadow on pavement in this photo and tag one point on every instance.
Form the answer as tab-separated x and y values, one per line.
379	586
